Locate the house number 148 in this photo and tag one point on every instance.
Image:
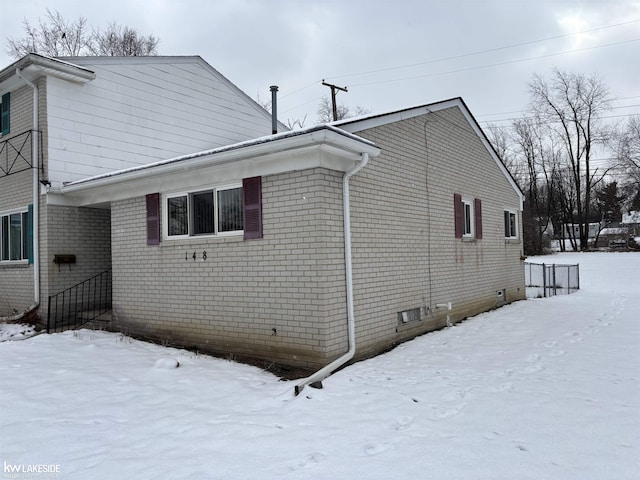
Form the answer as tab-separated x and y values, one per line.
195	256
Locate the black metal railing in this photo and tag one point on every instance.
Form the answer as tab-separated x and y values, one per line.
16	155
547	280
79	304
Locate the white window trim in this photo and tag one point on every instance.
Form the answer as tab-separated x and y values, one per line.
467	201
188	193
515	214
5	213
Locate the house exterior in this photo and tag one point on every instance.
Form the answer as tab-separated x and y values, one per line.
68	119
298	246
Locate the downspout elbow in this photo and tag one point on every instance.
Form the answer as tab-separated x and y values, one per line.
351	323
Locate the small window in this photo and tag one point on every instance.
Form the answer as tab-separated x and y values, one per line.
510	224
467	217
14	236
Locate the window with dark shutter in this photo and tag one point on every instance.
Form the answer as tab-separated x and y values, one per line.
5	110
153	219
457	208
252	207
477	207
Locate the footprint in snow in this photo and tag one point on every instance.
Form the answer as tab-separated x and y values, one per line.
557	353
376	448
533	358
313	459
550	344
535	368
575	337
402	423
446	412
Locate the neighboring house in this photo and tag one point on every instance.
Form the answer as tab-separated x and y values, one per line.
65	120
572	230
631	222
300	246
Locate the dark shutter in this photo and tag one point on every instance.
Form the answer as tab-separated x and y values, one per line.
5	111
252	207
507	224
29	234
477	207
457	208
153	219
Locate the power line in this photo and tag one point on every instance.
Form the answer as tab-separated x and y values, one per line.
479	52
494	64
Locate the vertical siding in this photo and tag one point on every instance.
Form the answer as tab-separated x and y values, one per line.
291	280
138	111
404	246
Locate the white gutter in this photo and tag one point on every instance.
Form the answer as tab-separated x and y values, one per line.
351	323
36	193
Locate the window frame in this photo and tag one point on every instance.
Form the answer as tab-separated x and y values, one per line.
513	228
190	219
23	214
468	206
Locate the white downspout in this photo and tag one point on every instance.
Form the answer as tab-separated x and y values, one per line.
36	193
351	323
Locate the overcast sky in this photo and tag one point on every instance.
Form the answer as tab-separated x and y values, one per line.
390	54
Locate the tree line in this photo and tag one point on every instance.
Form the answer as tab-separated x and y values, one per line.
574	166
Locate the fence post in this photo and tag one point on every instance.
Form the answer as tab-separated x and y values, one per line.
555	290
48	313
544	280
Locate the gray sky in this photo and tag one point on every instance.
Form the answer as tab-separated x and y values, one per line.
390	54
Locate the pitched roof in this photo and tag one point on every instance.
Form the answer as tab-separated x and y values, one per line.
358	124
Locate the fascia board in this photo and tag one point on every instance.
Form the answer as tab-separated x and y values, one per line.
318	149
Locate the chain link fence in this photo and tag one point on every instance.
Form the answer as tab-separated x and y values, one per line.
543	280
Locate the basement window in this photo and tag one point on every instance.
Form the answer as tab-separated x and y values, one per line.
409	316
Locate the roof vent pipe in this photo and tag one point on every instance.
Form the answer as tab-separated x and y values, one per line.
274	109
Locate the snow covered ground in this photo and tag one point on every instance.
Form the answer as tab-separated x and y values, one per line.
542	389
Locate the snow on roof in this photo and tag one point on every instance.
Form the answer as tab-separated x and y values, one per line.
244	144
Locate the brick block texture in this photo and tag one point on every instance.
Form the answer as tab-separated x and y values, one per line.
283	297
16	192
404	247
280	297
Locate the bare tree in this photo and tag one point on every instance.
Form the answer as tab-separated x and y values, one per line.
628	149
56	36
571	107
325	111
121	41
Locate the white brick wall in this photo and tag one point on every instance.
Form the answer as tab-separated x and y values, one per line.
404	252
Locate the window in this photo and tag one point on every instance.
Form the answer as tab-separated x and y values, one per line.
15	233
5	114
216	211
468	217
510	224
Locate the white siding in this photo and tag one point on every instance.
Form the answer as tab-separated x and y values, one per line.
138	111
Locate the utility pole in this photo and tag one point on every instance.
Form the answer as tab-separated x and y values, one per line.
333	97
